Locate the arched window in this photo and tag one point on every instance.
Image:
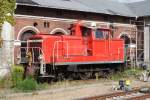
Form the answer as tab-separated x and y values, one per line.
27	34
59	31
24	37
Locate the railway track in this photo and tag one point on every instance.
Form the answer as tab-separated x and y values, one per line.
132	95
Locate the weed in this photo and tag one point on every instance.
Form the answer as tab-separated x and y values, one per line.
132	72
17	74
116	76
42	86
29	84
127	73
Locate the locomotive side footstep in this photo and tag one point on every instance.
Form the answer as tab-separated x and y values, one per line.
46	78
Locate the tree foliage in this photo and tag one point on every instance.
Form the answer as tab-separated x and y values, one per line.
7	8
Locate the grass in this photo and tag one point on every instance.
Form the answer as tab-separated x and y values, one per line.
17	83
26	85
127	73
29	85
133	71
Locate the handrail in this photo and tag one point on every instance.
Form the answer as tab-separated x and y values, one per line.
42	60
56	45
32	49
118	53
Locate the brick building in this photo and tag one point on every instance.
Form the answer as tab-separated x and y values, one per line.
52	16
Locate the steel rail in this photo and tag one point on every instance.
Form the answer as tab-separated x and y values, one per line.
104	97
143	97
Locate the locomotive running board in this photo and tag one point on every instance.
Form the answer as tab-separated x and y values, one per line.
102	62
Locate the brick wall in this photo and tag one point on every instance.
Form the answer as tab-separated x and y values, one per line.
23	23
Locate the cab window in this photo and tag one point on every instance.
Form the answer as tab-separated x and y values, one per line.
107	35
99	34
85	31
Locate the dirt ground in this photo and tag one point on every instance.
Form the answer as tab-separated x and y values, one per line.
73	91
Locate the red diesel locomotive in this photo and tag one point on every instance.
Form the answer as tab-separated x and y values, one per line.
81	54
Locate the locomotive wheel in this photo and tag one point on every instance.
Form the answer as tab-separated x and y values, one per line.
69	76
84	76
60	77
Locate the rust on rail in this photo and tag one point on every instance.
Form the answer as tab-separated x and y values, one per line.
103	97
143	97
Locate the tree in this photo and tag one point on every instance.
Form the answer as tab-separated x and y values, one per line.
7	8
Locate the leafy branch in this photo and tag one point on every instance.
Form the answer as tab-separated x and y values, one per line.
7	8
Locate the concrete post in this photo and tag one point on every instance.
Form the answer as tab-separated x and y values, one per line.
7	50
147	45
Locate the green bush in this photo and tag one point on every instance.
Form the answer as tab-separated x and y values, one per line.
25	85
17	74
12	79
15	81
29	84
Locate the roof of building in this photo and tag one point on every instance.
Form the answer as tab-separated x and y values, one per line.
26	2
140	8
94	6
108	7
134	9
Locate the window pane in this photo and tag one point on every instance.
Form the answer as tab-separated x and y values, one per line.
99	34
